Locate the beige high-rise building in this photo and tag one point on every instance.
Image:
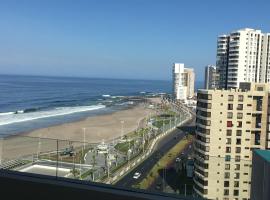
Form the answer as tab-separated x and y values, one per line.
183	82
229	125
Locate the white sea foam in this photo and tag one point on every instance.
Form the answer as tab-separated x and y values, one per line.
11	118
6	113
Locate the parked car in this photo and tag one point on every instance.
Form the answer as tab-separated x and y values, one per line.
137	175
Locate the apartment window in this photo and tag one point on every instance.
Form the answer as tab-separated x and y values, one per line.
238	141
257	138
240	107
226	184
238	150
239	115
207	148
227	166
236	175
237	158
228	140
236	184
237	167
228	149
229	124
229	115
226	192
239	124
241	98
230	106
230	98
238	132
227	158
259	88
236	192
229	132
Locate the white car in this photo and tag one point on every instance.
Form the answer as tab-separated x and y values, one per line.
136	175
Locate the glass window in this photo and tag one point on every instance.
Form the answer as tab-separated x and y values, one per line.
227	158
237	175
238	141
237	167
227	175
239	124
226	184
239	115
230	98
228	149
229	124
228	140
229	115
236	192
240	107
229	132
241	98
227	166
236	183
230	106
238	150
238	132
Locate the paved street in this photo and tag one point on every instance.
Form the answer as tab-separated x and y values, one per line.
161	148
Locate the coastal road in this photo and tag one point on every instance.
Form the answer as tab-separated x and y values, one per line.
160	149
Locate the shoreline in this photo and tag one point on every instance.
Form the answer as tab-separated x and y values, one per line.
102	127
106	127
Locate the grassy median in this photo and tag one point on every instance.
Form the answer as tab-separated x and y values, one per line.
166	160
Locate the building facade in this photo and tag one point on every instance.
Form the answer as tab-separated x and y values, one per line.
243	56
211	77
183	82
229	125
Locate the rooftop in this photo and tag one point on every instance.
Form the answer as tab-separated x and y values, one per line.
265	154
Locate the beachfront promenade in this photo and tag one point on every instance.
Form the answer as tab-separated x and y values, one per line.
104	162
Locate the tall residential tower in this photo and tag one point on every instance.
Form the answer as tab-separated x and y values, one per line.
243	56
211	77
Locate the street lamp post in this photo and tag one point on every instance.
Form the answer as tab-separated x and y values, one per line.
143	141
83	139
122	128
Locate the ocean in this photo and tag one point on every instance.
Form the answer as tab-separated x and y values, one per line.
31	102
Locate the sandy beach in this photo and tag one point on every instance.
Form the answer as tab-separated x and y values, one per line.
97	128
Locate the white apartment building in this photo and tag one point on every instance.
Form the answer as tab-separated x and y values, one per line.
229	125
243	56
211	77
183	82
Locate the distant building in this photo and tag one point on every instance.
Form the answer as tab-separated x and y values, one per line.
243	56
211	77
229	124
183	82
260	181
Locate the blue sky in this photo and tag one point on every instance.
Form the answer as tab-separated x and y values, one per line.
138	39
